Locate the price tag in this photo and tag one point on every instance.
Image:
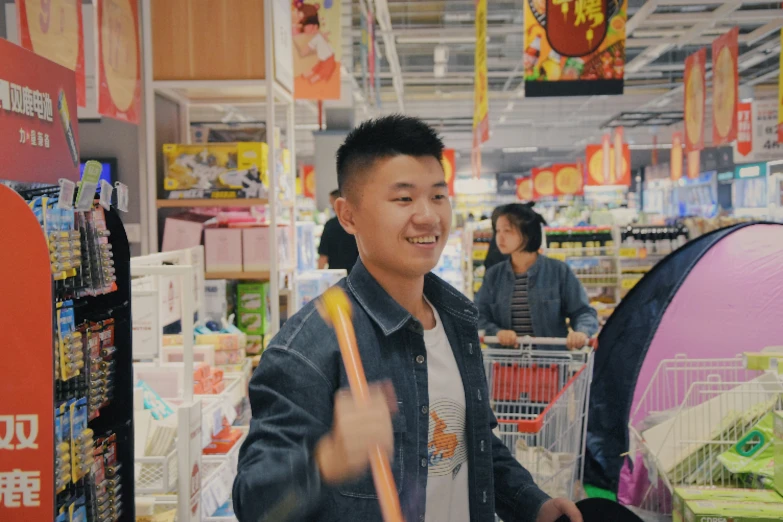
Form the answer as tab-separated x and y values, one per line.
556	255
88	185
229	412
122	196
65	199
628	252
106	193
629	283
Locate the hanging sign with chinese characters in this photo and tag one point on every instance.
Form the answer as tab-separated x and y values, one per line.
38	127
596	168
53	29
574	47
27	488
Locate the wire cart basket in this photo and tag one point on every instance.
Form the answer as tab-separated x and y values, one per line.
692	412
540	397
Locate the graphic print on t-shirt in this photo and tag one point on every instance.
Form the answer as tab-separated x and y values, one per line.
446	448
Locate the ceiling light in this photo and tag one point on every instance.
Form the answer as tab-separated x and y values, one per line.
511	150
440	54
644	146
439	70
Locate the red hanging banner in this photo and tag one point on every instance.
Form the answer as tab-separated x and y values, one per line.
596	166
308	181
745	128
53	29
119	60
725	87
525	189
675	163
694	164
695	97
449	163
618	154
38	122
569	179
543	183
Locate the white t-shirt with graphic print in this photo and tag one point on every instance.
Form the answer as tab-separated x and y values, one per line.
447	474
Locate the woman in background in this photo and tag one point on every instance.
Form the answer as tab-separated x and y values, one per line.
531	294
494	256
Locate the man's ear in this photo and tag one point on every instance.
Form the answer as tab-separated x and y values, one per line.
345	214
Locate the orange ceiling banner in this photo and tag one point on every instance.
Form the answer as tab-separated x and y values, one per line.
543	183
725	87
574	47
308	181
449	163
695	97
54	30
480	81
119	60
594	155
694	164
525	189
569	179
675	163
475	160
618	153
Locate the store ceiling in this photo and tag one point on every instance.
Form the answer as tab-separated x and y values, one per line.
661	33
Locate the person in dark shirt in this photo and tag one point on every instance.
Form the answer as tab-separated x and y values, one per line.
337	248
494	256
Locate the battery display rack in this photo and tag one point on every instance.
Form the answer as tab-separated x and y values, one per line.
66	421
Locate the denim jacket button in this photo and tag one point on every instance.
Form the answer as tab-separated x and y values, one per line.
420	359
423	463
424	410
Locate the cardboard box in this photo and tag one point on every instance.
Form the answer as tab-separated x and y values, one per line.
255	344
183	231
223	441
683	495
221	341
215	171
256	252
734	511
223	249
778	445
218	300
225	357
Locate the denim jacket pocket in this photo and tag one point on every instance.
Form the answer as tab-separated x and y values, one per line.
364	487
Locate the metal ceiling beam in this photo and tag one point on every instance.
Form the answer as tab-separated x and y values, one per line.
764	30
718	14
390	50
684	19
640	16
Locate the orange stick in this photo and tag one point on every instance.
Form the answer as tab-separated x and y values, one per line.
336	309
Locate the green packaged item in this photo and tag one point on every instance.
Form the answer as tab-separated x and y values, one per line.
253	308
754	453
778	450
683	495
732	511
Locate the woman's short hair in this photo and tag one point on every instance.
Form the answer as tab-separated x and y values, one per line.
529	223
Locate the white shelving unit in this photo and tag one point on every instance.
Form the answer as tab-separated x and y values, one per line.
269	93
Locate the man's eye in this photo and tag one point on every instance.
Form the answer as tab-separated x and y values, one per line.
405	199
440	196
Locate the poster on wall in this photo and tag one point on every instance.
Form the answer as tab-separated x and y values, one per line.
39	132
317	49
449	163
53	29
119	60
760	141
480	82
525	189
725	87
695	97
675	162
574	48
283	48
594	156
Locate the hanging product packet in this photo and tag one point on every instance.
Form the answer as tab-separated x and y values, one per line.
754	453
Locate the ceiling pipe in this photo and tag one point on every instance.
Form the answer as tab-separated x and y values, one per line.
718	14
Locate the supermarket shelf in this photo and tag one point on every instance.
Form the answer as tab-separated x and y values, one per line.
244	276
221	203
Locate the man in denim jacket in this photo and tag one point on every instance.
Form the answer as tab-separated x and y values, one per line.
307	454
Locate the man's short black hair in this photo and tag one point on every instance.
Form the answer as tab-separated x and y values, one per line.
382	138
529	223
335	193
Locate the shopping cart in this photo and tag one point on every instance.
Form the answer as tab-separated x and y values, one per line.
540	398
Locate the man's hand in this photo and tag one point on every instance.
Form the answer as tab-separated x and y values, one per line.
576	340
344	453
507	338
556	508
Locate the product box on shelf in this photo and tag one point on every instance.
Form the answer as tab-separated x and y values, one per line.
215	171
255	248
737	511
183	231
778	446
253	313
683	495
218	300
223	249
305	244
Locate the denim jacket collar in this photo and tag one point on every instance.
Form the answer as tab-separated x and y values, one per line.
390	316
531	272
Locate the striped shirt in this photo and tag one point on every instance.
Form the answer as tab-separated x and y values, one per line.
521	321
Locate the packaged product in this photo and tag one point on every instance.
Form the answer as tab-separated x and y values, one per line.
778	451
736	511
683	495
